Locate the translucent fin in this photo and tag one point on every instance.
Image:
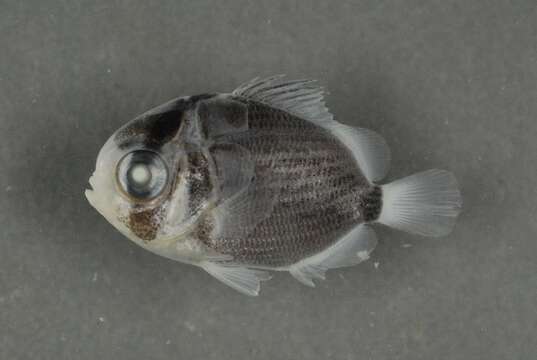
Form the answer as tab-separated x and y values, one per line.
426	203
234	166
220	115
244	280
369	149
351	249
239	214
302	98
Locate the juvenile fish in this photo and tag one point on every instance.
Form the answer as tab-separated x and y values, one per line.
262	178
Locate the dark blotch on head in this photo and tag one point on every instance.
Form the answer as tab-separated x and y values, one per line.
204	229
156	129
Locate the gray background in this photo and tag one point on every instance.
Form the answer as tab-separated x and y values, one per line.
449	84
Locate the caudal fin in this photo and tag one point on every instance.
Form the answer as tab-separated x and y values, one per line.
426	203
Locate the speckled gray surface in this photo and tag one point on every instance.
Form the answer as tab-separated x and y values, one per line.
449	84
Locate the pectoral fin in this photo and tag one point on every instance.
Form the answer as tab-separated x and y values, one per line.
242	279
248	191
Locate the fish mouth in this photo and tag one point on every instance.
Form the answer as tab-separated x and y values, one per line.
89	192
91	182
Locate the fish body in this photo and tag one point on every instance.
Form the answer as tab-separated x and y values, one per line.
259	179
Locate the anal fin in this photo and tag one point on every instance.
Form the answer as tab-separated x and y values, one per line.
351	249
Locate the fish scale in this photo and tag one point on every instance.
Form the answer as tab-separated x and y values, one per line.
311	212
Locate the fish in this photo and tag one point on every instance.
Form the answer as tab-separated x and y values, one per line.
261	179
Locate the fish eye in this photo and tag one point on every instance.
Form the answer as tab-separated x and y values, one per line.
142	175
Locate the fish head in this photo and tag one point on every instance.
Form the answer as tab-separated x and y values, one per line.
145	176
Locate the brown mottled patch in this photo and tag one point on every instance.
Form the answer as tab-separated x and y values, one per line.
199	180
203	231
146	223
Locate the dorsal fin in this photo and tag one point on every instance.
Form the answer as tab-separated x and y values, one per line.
303	98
